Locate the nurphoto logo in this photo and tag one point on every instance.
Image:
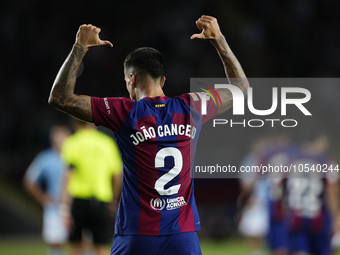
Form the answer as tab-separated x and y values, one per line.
239	104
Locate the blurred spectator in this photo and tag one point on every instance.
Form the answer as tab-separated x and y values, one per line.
278	155
93	187
43	181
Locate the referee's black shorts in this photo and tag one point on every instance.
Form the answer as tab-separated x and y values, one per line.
94	216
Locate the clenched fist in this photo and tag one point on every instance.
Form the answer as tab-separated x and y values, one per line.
210	28
88	36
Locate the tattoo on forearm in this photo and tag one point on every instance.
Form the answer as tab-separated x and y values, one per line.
233	71
232	67
62	94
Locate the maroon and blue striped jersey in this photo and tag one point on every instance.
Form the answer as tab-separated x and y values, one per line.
157	139
307	194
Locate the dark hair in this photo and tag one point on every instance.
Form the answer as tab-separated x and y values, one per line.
146	60
311	136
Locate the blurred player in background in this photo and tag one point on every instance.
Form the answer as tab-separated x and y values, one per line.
279	154
253	198
43	180
157	212
313	199
92	186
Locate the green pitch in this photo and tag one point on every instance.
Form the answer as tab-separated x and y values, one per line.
22	247
37	247
209	247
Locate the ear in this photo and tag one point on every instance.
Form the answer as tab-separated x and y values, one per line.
163	81
132	79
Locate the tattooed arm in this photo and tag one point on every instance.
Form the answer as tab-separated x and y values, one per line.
234	72
62	94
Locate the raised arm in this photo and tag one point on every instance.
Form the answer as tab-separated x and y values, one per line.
62	94
233	70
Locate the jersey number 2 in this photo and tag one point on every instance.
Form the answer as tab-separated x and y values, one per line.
173	172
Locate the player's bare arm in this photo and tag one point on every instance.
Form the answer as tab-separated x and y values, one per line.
234	72
38	193
332	191
62	94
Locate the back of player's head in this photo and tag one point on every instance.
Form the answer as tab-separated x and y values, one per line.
80	124
317	141
312	136
58	134
145	61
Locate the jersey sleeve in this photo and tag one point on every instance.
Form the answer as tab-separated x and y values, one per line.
111	112
202	103
34	171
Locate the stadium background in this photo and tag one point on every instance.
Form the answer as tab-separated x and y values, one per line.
270	39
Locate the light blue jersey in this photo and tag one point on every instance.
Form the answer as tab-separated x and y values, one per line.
48	168
260	190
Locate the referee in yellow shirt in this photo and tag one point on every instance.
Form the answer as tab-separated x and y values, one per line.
93	182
